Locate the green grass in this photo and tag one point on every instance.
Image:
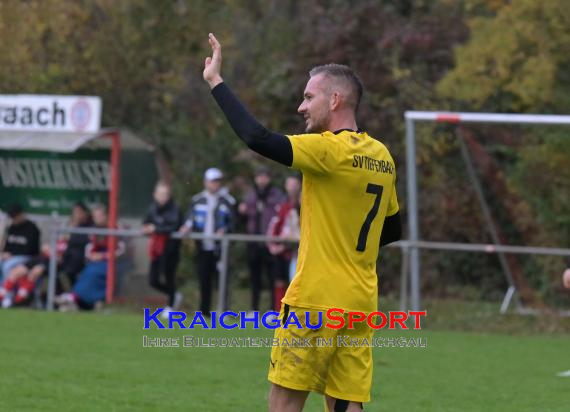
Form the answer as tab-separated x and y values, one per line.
96	362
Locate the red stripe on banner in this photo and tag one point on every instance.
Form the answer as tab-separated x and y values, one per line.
448	118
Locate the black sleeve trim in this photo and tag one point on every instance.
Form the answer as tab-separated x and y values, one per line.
272	145
392	230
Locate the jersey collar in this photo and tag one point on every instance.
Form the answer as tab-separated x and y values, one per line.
348	130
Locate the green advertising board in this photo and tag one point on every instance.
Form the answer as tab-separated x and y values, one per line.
50	182
51	157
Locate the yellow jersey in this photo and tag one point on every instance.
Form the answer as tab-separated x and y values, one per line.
348	190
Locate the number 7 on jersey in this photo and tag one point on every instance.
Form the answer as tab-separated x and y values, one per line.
363	236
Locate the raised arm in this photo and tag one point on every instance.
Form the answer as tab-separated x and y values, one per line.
269	144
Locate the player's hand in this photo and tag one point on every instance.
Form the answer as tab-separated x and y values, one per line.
566	278
213	65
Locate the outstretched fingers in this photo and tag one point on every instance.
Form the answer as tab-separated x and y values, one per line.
216	47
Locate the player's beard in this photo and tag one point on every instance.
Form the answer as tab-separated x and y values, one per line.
318	124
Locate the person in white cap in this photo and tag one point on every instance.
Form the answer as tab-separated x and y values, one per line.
211	212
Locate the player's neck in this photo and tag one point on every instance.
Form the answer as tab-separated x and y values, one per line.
342	122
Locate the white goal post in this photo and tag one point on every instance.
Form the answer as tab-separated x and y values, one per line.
414	243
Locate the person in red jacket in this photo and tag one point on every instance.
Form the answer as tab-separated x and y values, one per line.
286	225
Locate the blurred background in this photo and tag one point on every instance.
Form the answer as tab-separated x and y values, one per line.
144	59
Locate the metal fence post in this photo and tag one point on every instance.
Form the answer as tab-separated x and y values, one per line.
52	268
404	273
413	220
223	275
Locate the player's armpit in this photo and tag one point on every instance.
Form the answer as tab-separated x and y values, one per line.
392	229
269	144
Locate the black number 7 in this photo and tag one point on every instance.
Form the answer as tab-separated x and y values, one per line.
363	236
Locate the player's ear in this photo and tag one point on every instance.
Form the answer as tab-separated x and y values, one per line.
335	101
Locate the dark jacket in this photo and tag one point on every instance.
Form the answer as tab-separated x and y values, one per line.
262	206
23	239
73	258
166	219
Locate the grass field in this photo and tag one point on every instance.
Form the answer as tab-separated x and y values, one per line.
96	362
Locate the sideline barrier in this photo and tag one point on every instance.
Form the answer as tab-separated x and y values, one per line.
404	245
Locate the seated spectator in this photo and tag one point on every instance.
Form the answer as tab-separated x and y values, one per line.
22	241
285	225
91	284
20	283
73	259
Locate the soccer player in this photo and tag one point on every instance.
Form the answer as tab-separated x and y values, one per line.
349	209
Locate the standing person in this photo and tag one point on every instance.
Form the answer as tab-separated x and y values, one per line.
285	225
163	219
22	241
73	259
211	213
258	208
349	209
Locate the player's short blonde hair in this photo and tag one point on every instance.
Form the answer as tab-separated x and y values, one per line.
344	74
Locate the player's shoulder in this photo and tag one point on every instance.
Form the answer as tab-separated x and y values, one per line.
362	138
315	142
323	135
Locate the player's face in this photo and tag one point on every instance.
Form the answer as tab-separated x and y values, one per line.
315	107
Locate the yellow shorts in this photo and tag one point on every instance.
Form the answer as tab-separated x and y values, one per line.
341	370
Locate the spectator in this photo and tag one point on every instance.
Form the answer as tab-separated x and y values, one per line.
566	275
91	284
286	225
20	283
258	208
22	241
211	212
73	259
163	219
23	278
